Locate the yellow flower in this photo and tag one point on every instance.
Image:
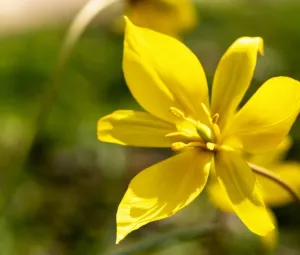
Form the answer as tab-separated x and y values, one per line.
171	17
273	194
168	81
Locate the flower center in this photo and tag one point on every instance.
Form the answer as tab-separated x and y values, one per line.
206	136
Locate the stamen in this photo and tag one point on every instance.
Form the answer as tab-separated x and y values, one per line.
205	109
203	130
215	118
196	144
180	114
177	112
178	146
174	134
184	135
212	122
216	131
210	146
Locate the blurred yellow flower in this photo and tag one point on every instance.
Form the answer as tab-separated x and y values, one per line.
273	194
171	17
168	81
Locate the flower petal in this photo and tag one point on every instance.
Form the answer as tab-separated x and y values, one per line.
273	156
267	117
275	195
270	241
162	190
233	76
134	128
218	197
239	183
168	17
221	200
161	73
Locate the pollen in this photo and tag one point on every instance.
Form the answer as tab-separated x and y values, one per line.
210	146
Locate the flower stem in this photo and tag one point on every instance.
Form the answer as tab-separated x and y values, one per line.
80	22
273	177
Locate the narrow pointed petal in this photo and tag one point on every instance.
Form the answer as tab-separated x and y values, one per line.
233	76
240	185
274	194
218	196
221	200
134	128
161	72
268	116
162	190
270	241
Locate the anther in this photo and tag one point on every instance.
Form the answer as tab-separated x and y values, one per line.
177	112
180	114
178	146
215	118
210	146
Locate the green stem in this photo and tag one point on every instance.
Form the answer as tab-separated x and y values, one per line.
80	22
273	177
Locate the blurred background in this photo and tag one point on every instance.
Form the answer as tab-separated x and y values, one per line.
59	186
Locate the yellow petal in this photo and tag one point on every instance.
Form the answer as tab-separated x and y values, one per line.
267	117
134	128
239	183
270	241
171	17
161	190
161	73
218	197
233	76
273	156
275	195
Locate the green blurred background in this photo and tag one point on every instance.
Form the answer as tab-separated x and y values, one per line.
60	194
